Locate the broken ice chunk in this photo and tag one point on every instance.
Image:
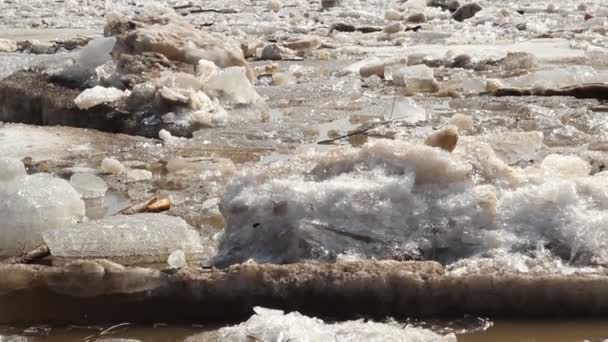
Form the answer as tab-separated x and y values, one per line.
404	109
96	52
30	205
233	82
566	166
128	239
205	70
11	168
417	78
513	147
462	121
97	95
138	175
113	166
177	259
7	45
596	55
474	85
88	185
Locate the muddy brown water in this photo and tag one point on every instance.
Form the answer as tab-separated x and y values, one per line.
541	331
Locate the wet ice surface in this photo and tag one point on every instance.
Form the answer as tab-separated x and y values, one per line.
140	238
439	221
523	191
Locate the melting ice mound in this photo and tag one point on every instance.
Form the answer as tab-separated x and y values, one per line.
398	200
274	325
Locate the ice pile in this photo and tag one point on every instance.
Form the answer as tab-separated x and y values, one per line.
136	238
30	205
163	71
398	200
275	325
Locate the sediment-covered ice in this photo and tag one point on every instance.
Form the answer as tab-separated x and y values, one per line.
399	200
132	238
30	205
275	325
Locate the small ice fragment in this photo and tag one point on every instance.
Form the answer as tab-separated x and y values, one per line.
97	95
393	15
88	185
493	85
177	259
137	175
393	28
596	55
205	70
418	5
462	121
513	147
10	168
7	45
165	135
474	85
233	81
113	166
96	52
417	78
405	109
566	166
274	5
